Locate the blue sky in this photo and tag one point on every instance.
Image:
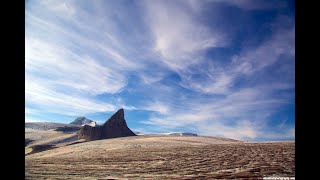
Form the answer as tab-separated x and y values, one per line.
211	67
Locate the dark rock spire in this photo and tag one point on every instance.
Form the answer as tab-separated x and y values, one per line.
115	126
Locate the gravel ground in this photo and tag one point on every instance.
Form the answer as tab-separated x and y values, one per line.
163	157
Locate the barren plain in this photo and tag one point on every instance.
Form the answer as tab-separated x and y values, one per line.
162	157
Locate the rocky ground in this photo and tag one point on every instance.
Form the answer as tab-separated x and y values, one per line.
163	157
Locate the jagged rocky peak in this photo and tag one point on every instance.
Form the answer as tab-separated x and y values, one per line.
81	121
115	126
117	119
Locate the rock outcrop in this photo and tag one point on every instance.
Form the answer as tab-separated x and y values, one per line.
81	121
115	126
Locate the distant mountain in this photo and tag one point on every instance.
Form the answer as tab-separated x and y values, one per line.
181	134
115	126
49	125
81	121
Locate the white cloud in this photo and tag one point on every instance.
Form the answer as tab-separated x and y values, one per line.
121	104
63	9
49	100
90	38
63	75
120	60
156	106
255	59
218	84
70	70
241	130
247	63
178	36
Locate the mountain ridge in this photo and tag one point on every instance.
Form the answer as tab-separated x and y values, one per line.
81	121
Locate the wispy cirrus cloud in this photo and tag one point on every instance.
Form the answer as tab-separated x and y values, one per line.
250	61
65	68
255	59
61	102
178	35
156	106
63	76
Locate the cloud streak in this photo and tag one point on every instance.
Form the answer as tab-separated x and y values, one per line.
62	103
178	35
